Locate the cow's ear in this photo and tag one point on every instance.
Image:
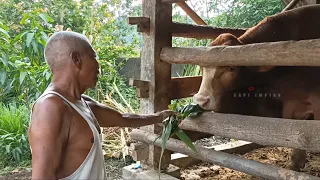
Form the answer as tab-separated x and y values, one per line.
260	68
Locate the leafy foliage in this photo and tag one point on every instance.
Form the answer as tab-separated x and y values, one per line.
171	126
13	133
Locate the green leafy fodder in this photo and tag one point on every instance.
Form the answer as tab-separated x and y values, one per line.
171	126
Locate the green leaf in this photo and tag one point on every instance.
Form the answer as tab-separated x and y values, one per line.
4	32
35	46
29	39
3	74
166	134
48	75
8	149
46	17
4	59
24	18
18	37
186	140
22	77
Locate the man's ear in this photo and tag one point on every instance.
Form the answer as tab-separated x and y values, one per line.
76	59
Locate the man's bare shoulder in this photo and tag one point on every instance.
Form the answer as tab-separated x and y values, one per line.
50	109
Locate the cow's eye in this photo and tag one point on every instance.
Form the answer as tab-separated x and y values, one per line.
231	69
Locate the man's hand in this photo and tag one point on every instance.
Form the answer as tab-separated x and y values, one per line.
164	114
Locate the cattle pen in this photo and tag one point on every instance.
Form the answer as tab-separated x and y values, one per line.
157	88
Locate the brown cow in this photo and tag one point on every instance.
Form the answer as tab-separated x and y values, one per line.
287	92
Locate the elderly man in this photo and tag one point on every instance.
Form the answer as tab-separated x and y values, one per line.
64	131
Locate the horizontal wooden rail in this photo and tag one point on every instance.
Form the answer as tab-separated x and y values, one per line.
202	32
183	87
255	168
301	134
173	1
186	30
285	53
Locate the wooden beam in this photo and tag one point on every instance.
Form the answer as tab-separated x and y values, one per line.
300	134
291	5
255	168
157	72
183	87
194	16
173	1
202	32
143	87
138	20
286	53
239	147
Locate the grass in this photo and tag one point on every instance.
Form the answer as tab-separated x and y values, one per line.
14	146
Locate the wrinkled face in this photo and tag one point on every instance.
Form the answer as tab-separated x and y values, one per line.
89	72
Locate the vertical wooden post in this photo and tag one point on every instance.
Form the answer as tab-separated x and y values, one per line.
155	71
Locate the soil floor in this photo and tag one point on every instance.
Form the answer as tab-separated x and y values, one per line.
278	156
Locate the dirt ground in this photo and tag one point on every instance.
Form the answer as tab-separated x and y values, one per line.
278	156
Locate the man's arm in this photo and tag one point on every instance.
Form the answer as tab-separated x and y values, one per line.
47	134
108	117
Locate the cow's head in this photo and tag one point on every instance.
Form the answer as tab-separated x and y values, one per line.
219	84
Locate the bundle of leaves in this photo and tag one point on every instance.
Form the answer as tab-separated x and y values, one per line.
171	125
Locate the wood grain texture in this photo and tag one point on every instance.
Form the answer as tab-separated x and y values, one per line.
183	87
235	162
138	20
202	32
285	53
157	72
300	134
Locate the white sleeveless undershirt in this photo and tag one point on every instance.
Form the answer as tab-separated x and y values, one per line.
93	167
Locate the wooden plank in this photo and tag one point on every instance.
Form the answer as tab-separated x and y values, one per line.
202	32
142	87
138	20
238	163
239	147
173	1
285	53
157	72
194	16
291	5
183	87
300	134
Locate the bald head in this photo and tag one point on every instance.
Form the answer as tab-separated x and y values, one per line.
61	44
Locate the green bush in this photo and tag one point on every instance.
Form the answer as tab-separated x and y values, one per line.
14	146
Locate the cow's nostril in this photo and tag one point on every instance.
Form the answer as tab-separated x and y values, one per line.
205	102
201	100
